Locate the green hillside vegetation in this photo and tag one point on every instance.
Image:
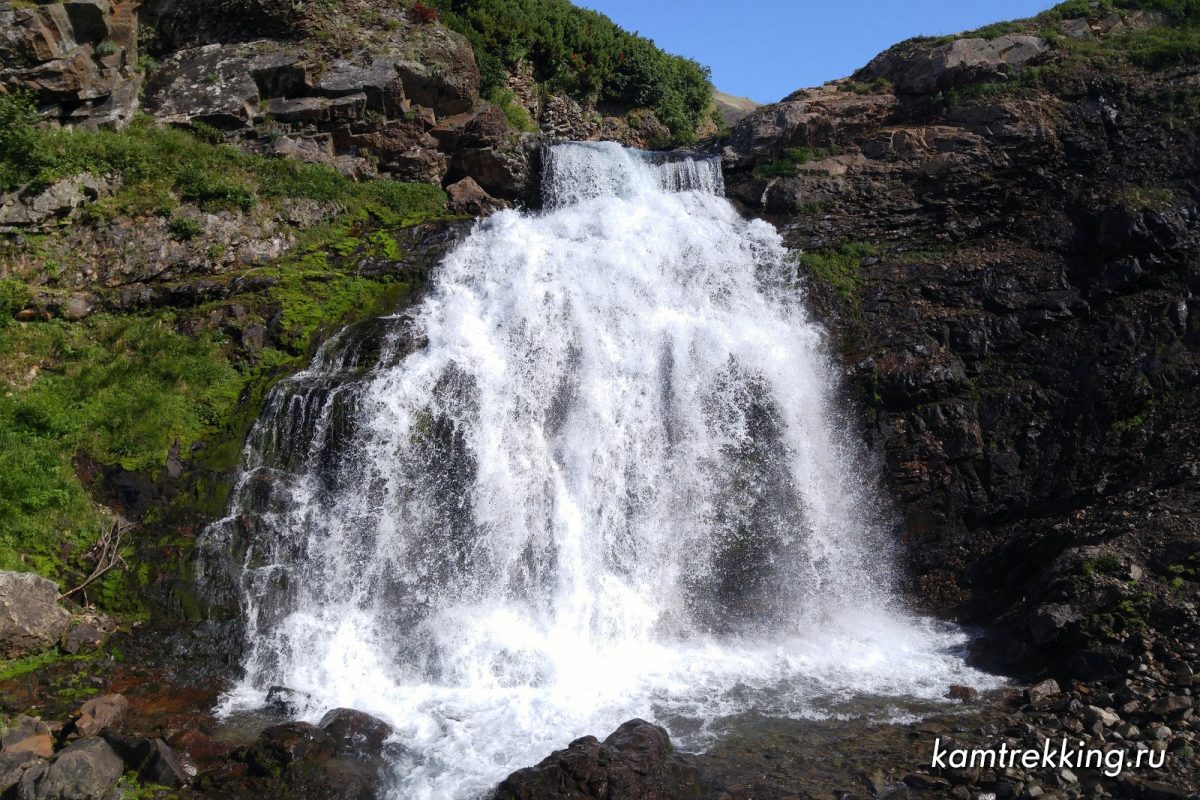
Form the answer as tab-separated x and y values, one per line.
582	54
123	389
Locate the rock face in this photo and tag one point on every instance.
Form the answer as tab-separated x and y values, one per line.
922	69
31	620
79	58
634	762
1018	320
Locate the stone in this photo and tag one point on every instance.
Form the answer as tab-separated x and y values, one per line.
635	761
101	713
1104	716
926	782
468	197
166	767
13	765
282	745
1051	620
85	770
1171	704
29	735
287	701
964	693
356	732
1042	690
31	620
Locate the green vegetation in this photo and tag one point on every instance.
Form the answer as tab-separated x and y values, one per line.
583	54
1104	563
121	390
880	85
839	267
791	160
517	114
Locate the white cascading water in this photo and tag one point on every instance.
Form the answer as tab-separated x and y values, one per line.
608	480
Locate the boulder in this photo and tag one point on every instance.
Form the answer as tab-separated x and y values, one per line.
84	636
282	745
12	766
29	735
468	197
31	620
355	732
85	770
165	767
101	713
379	82
636	761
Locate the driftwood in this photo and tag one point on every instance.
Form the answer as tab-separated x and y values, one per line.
107	554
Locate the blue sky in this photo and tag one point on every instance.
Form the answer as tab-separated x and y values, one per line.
765	49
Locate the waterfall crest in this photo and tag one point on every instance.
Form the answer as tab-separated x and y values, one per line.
598	474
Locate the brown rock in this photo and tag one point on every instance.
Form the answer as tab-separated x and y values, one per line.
468	197
101	713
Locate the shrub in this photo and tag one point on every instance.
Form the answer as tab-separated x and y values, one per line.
18	139
185	228
583	54
424	14
517	114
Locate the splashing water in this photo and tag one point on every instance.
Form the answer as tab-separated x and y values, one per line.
597	475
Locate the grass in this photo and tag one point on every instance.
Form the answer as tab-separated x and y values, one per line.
516	114
839	267
789	163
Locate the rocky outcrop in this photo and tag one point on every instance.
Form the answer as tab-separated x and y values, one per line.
921	69
79	58
635	761
31	620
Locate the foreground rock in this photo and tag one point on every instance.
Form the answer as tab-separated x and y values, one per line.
85	770
31	620
635	762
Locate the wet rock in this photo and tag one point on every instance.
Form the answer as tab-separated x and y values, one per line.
636	761
964	693
101	713
283	745
31	620
355	732
84	770
287	701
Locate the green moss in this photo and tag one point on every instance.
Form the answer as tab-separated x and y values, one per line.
790	162
839	267
23	666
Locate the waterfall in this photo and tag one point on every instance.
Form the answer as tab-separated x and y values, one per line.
597	473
